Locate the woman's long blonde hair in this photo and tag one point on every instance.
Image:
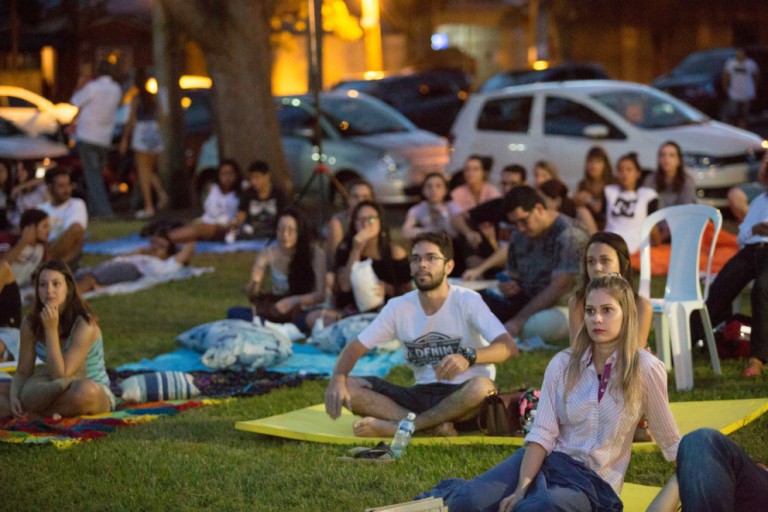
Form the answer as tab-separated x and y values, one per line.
629	383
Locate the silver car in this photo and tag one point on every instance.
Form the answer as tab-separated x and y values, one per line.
559	122
362	138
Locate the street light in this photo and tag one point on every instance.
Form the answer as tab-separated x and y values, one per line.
372	39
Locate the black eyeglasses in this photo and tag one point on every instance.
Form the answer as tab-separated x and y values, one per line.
522	222
429	258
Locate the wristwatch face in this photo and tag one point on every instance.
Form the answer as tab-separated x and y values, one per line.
469	354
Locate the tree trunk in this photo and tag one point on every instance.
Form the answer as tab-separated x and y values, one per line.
234	36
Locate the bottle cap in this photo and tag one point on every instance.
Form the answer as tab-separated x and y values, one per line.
411	416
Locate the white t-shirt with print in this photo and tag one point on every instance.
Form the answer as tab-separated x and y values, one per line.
73	211
464	320
625	212
742	78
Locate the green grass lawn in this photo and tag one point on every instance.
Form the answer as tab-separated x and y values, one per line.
197	460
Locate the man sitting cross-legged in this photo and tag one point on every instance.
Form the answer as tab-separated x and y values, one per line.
443	330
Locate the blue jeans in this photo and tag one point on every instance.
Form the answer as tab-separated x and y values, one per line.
714	474
563	484
94	158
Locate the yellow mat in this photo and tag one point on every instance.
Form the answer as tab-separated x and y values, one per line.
636	498
312	424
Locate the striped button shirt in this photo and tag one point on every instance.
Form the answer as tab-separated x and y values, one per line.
599	433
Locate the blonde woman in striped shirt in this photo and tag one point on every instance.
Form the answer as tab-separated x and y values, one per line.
577	452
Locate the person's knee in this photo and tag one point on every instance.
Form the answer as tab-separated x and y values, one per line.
356	384
477	388
84	394
698	442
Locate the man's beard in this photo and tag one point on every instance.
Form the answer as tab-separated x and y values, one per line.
432	284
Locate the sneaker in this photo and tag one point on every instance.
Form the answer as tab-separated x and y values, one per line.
144	214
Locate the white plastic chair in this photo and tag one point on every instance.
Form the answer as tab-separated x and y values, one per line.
682	294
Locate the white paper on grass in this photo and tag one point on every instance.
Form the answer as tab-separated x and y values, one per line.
365	286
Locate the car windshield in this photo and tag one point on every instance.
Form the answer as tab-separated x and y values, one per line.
8	129
359	116
649	109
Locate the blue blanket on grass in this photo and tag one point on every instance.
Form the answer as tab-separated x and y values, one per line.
305	358
132	243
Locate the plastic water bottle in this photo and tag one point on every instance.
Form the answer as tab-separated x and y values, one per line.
529	424
403	435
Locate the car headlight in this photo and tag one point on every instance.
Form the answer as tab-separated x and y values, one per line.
699	160
395	167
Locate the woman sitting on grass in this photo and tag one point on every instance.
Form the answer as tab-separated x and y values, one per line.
577	452
607	253
219	208
296	268
62	331
434	212
368	237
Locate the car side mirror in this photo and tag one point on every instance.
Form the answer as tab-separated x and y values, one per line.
596	131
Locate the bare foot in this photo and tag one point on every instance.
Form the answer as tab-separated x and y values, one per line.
443	430
56	416
374	427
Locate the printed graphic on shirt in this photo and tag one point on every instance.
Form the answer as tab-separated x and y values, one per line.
430	349
624	207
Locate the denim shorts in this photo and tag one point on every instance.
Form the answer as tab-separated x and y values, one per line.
418	398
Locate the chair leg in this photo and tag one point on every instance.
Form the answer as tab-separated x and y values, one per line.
711	345
663	348
679	333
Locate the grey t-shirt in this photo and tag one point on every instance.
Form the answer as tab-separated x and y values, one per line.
533	261
669	197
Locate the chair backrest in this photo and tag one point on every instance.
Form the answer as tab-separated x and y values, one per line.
686	227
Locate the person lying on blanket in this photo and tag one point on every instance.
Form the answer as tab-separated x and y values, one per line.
443	330
62	331
578	450
161	257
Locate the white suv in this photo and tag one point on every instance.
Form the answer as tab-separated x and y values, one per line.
559	122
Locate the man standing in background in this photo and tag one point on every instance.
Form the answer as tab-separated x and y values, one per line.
97	101
740	77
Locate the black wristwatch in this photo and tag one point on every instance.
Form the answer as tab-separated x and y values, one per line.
469	354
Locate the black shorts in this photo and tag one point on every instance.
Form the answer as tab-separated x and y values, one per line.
418	398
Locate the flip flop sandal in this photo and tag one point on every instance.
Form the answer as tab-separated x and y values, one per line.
378	454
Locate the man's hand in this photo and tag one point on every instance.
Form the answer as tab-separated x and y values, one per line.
471	274
510	288
514	326
474	239
760	229
283	306
337	396
450	366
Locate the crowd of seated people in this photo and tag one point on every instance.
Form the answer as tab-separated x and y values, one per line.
537	242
